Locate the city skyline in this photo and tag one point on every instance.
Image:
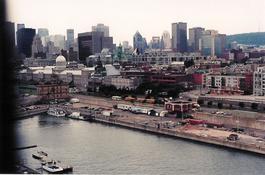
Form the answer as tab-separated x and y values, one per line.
128	17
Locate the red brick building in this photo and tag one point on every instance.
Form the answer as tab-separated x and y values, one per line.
178	106
50	91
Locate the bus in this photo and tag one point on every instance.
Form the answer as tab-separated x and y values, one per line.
117	98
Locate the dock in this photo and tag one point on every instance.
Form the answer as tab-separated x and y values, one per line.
247	147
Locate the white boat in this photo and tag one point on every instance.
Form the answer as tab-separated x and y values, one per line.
76	115
52	168
56	112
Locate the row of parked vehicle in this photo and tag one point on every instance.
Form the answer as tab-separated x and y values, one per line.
139	110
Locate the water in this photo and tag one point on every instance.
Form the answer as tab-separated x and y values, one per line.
100	149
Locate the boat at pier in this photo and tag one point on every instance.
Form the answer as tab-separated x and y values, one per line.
52	167
37	156
76	115
56	112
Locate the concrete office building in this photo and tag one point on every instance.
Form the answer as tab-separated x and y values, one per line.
194	39
37	48
42	32
208	42
259	82
155	42
70	38
165	40
58	40
179	37
101	28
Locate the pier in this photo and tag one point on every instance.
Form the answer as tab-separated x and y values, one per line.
248	147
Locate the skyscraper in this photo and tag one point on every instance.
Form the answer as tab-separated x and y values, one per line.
165	40
101	28
70	38
155	42
220	44
179	37
10	32
208	42
58	40
42	32
107	42
37	47
24	40
125	44
89	43
194	39
139	42
20	26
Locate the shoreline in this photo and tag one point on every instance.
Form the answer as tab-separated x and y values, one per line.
173	134
184	136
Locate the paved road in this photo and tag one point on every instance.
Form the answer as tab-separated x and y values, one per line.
236	113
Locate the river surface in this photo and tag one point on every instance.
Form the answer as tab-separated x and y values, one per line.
94	148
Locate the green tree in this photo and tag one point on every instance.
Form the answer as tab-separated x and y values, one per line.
189	63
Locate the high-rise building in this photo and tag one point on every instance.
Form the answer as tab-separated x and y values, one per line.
179	37
220	44
42	32
208	42
194	39
165	40
10	35
24	40
155	42
125	44
37	47
107	43
259	82
89	43
20	26
58	40
139	42
101	28
70	38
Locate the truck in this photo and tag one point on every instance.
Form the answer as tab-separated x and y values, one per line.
117	98
123	107
139	110
74	100
107	113
163	113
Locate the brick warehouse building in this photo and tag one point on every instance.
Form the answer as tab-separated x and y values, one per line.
51	90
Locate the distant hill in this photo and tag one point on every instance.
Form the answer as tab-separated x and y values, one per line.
257	38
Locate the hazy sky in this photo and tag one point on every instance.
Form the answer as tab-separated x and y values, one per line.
149	17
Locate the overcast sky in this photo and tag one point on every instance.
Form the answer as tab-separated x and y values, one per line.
149	17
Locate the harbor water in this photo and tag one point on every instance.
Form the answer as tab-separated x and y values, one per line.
95	148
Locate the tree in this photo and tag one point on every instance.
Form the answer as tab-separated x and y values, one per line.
210	103
189	63
241	104
254	106
220	105
200	101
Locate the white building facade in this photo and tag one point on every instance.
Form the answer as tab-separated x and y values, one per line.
259	82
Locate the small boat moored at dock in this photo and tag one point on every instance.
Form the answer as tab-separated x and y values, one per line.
37	156
76	115
52	168
42	153
56	112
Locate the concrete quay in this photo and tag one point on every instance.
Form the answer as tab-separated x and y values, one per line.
248	147
24	114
